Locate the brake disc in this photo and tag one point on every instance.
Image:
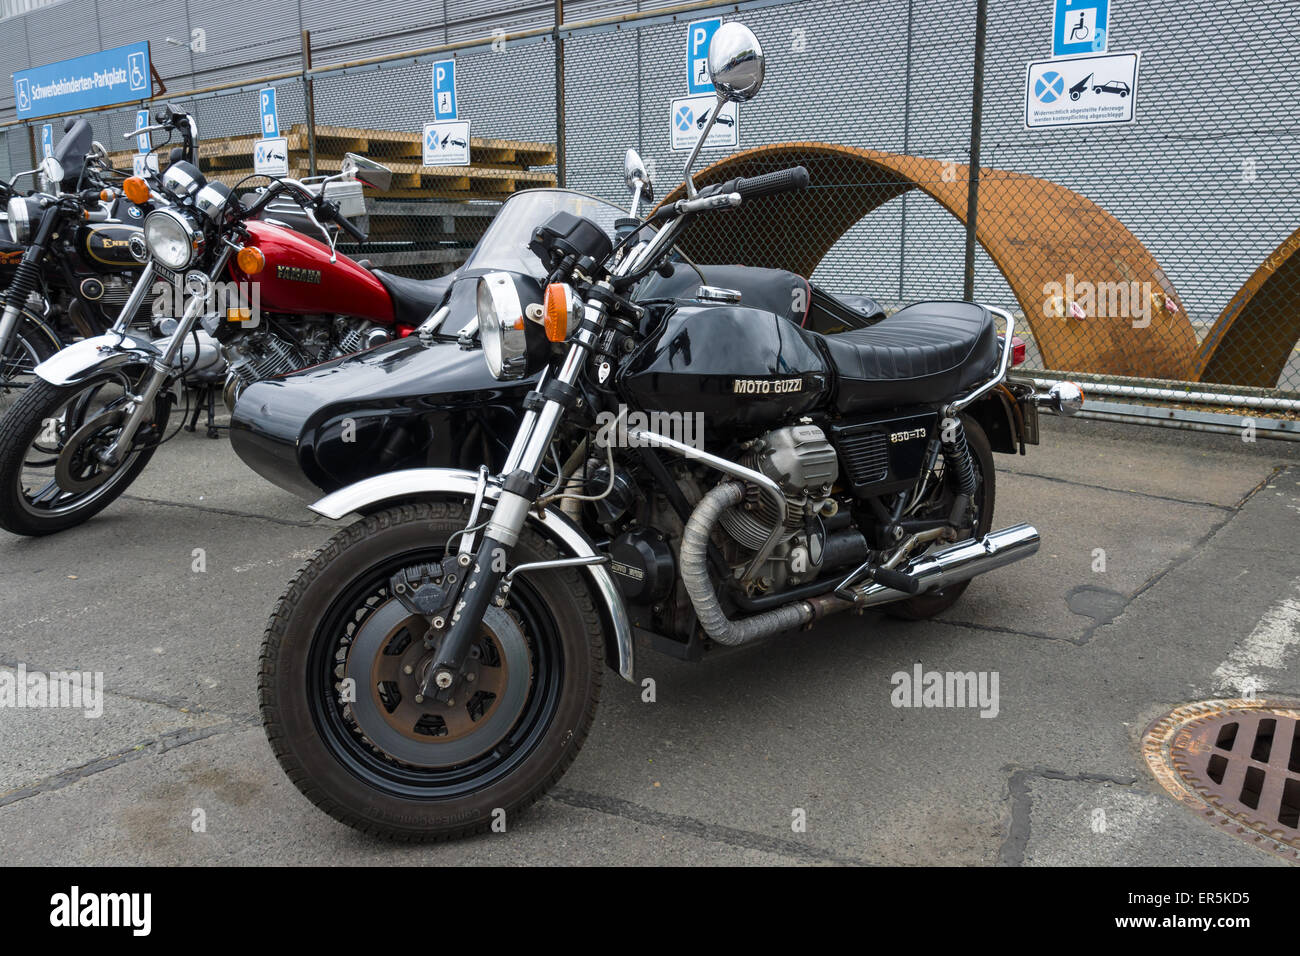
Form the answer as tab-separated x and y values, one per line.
388	660
78	469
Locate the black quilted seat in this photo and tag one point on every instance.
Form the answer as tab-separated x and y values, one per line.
925	353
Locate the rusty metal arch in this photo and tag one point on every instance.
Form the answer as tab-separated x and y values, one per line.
1251	341
1036	232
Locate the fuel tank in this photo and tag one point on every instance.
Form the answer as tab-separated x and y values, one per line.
744	369
300	278
399	405
106	246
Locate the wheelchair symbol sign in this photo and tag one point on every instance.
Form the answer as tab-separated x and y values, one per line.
138	72
1080	26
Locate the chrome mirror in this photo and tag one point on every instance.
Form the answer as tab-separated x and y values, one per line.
373	174
637	178
52	170
736	62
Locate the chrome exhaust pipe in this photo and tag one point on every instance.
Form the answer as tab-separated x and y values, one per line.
961	562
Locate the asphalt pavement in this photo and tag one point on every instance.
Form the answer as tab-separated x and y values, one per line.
1163	552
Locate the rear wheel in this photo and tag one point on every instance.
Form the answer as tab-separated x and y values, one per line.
51	476
341	668
30	345
935	602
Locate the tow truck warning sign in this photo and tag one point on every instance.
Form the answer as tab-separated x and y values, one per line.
1081	91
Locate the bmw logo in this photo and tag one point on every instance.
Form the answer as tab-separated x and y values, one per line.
133	212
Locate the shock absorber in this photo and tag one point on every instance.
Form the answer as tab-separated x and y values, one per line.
23	284
958	464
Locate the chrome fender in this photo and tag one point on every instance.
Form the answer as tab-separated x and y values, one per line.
454	483
82	359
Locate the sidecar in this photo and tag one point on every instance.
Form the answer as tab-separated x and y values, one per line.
407	404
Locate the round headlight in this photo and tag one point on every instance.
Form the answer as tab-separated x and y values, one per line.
172	240
501	326
20	224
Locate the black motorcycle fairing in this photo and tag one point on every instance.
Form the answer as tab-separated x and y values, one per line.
926	353
293	430
743	369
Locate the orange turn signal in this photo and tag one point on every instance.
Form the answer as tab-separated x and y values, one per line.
136	189
106	194
250	260
559	311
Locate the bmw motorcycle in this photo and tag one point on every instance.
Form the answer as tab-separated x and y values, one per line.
249	298
702	471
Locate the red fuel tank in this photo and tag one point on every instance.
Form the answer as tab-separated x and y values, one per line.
299	277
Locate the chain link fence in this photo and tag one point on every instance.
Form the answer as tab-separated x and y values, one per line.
1159	249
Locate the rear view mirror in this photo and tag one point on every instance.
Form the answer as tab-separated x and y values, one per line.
52	170
373	174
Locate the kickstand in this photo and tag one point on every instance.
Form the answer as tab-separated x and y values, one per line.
207	400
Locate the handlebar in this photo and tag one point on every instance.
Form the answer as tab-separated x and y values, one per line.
788	180
329	212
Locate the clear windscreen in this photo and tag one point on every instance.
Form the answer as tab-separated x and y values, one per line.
505	243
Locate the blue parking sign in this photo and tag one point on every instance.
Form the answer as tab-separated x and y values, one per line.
1080	26
698	36
47	141
444	90
270	118
142	141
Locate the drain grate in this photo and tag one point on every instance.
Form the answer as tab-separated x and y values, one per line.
1236	762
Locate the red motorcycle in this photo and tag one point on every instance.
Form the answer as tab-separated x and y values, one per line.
238	297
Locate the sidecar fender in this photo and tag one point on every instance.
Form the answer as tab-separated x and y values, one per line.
83	359
440	483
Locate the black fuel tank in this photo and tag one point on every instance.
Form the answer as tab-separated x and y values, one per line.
744	369
106	246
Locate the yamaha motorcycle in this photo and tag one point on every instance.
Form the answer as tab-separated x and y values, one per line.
249	298
698	469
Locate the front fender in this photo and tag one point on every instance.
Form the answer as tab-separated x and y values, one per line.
82	359
420	483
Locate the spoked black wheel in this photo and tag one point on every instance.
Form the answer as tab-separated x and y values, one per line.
939	504
52	475
341	671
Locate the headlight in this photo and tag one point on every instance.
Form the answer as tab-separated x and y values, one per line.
501	326
20	223
172	239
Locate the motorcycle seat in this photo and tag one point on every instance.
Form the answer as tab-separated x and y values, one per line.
413	299
928	352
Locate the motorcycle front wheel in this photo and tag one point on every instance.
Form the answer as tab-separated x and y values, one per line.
31	344
340	673
50	477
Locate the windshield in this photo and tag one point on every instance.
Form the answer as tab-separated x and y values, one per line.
505	244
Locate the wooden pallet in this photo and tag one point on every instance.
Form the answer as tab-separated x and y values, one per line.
499	167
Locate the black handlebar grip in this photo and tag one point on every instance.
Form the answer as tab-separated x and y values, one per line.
330	213
769	184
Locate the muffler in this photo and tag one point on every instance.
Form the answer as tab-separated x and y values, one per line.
961	562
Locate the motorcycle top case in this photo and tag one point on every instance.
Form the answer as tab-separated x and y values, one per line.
744	369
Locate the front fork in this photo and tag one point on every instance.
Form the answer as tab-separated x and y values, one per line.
519	491
164	366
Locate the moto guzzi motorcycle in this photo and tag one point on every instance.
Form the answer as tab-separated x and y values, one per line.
250	299
439	662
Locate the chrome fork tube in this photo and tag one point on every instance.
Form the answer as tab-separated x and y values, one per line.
133	301
164	366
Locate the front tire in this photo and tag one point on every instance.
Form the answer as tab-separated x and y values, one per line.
33	437
423	772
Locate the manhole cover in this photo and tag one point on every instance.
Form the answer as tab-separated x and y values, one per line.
1237	762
